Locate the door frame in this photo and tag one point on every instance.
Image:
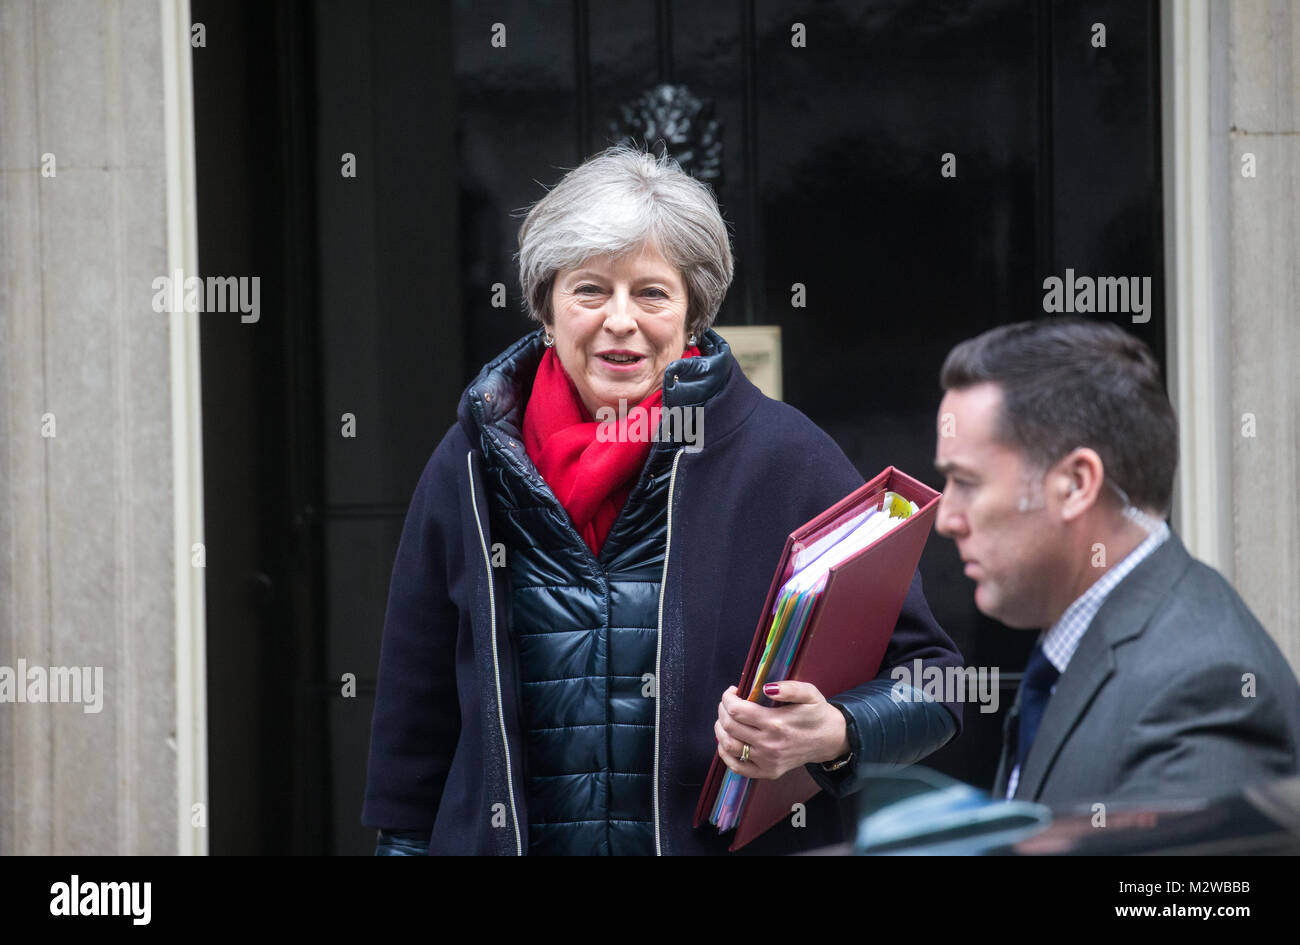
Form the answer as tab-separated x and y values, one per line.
190	723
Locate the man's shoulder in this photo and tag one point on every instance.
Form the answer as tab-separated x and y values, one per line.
1203	601
1198	696
1201	621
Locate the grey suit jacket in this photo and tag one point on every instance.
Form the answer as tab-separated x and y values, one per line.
1155	702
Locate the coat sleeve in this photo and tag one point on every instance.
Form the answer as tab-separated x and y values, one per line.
416	720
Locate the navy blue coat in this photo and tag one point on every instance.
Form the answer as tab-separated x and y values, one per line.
445	748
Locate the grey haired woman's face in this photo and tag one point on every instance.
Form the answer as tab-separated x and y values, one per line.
618	324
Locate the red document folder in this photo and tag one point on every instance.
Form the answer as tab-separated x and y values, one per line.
845	639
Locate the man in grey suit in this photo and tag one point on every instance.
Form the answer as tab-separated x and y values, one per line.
1151	678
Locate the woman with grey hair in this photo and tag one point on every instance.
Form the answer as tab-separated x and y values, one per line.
586	554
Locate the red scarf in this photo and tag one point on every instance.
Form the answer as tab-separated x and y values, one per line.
592	479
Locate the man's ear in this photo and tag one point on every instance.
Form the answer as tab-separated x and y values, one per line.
1080	477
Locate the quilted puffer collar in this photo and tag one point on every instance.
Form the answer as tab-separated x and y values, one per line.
491	409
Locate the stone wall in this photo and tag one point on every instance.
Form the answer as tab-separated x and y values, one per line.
86	503
1259	87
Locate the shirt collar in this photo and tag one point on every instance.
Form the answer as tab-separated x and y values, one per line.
1062	639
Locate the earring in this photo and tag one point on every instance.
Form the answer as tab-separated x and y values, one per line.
548	339
691	340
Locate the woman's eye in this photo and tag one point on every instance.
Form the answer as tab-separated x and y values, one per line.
656	293
588	288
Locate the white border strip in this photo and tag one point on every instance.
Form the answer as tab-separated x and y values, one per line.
187	441
1197	337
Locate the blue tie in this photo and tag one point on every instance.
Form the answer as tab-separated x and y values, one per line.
1035	690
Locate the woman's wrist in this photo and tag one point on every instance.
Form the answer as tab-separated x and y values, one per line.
844	747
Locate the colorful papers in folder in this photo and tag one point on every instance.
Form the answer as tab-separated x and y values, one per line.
792	612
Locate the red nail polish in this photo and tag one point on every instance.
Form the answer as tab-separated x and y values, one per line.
771	689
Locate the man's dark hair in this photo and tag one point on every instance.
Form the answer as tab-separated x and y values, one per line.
1068	382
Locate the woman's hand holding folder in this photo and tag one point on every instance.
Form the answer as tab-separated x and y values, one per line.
804	729
841	583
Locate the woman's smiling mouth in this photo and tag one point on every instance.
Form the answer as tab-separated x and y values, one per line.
620	360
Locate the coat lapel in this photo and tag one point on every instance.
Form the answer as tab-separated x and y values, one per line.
1122	616
1091	665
